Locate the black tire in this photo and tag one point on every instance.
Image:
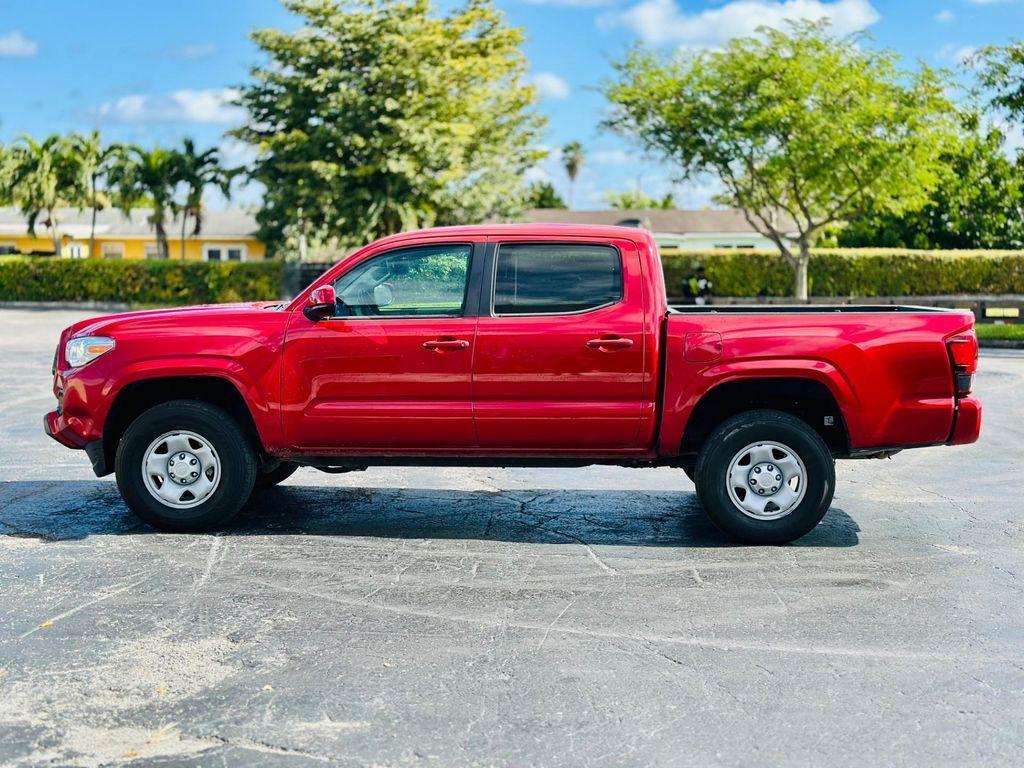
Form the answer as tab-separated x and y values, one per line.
278	474
237	465
732	437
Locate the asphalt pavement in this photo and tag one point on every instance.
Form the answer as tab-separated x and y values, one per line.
528	617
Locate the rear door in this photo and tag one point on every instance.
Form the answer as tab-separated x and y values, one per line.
559	361
391	370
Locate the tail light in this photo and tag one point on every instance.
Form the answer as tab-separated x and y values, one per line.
963	354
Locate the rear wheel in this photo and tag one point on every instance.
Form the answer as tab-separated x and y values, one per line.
185	465
765	477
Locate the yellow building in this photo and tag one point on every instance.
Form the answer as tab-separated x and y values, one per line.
225	236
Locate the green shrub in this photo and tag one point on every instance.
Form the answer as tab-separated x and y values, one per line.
137	282
1000	332
853	272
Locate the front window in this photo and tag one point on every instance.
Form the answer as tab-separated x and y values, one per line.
423	281
152	251
555	279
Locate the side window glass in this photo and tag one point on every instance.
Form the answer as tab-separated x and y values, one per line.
546	279
425	281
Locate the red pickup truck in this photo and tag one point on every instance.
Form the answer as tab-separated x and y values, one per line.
509	345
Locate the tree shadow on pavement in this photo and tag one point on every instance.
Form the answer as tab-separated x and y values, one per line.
67	510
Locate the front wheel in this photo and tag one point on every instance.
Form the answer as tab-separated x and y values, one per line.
765	477
185	465
277	475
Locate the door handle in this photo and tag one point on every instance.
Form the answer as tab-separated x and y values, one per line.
440	345
616	342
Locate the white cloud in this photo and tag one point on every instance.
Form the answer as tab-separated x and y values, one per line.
185	106
613	157
15	45
551	86
194	51
945	16
662	22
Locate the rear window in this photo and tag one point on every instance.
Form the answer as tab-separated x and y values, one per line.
538	279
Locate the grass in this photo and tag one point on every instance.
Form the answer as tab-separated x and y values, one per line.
1001	332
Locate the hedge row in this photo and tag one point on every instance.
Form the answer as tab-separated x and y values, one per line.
137	282
741	273
853	272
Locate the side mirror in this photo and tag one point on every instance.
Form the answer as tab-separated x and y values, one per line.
322	303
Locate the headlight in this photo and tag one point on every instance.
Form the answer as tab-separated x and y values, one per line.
86	349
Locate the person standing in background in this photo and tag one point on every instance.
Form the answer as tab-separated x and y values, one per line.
697	289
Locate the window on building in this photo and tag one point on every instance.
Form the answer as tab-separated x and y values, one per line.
535	279
6	249
224	252
152	251
112	250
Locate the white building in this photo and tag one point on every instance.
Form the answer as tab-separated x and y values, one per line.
672	229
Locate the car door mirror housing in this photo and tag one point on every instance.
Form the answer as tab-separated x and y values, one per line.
321	303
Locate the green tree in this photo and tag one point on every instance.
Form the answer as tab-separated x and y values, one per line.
572	160
44	176
638	201
803	129
978	203
1001	73
94	160
196	172
375	117
150	177
542	194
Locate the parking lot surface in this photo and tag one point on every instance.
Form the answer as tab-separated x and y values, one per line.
476	617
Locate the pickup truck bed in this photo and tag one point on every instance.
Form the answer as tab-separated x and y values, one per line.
507	345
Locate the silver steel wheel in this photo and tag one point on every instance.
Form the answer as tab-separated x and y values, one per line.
181	469
766	480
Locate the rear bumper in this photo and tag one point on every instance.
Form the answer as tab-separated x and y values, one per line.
967	422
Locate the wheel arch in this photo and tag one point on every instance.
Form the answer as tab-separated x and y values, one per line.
803	397
138	396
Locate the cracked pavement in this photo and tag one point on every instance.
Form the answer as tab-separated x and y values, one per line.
477	617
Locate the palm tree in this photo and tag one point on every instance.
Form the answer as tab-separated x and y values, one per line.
151	176
572	161
198	171
44	176
95	160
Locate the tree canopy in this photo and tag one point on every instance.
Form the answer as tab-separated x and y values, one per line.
978	203
638	201
375	117
542	194
803	129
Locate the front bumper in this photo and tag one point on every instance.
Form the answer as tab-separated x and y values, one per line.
65	434
64	431
967	424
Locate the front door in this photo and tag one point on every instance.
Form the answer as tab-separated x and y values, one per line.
559	361
391	370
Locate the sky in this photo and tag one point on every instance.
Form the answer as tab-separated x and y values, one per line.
154	72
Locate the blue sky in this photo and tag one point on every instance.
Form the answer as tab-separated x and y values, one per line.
154	72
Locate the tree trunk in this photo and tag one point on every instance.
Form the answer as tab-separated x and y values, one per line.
161	239
184	218
55	234
803	258
92	228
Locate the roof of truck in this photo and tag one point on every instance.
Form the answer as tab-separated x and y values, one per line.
546	231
